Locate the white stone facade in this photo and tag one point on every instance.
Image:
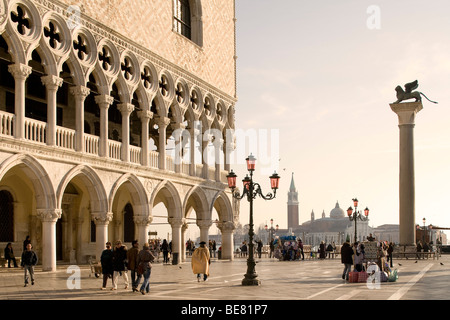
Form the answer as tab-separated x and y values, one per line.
76	151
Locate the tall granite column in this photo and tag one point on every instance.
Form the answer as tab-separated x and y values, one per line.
406	115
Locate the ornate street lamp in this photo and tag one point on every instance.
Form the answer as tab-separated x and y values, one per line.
271	230
251	190
355	215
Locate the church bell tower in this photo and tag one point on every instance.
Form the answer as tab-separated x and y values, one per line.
292	205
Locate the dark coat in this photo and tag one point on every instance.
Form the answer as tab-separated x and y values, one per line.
29	258
347	253
107	261
132	256
119	258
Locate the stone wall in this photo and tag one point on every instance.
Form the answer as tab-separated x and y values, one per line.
149	23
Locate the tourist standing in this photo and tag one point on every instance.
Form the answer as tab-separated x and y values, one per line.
28	262
119	263
165	250
390	251
346	259
200	261
300	247
144	262
26	242
132	257
322	250
259	248
106	260
9	255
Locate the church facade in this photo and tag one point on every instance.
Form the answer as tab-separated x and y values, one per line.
107	109
335	227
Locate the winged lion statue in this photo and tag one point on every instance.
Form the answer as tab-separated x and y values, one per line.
408	93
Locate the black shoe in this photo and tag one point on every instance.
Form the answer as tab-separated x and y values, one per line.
32	283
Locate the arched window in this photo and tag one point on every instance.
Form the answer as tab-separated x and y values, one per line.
6	217
182	18
187	19
128	223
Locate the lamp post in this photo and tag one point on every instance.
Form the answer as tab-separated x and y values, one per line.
424	220
356	215
271	230
251	190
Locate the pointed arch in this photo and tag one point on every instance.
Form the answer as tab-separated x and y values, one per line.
138	194
196	199
223	206
166	193
92	182
45	194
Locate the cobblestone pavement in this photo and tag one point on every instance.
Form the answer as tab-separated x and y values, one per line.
280	280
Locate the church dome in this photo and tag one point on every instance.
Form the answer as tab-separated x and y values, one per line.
337	212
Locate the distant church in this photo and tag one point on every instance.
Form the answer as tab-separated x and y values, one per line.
334	228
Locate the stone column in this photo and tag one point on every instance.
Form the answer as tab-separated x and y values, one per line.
406	115
218	146
103	102
126	109
49	218
193	138
176	239
178	135
20	73
204	226
51	83
227	229
142	223
101	221
162	123
145	117
205	142
80	93
184	228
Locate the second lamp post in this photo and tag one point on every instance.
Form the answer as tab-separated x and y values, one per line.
356	215
251	190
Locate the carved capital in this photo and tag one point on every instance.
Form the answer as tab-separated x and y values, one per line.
162	122
104	101
20	71
204	223
226	226
52	82
102	218
145	115
176	222
79	91
125	108
49	215
142	220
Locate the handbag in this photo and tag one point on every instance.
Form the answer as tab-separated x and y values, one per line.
141	268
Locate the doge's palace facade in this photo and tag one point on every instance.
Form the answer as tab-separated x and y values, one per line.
108	108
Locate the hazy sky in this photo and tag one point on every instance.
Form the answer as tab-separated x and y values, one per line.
322	75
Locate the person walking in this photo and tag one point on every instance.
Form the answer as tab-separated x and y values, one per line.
259	248
28	262
346	259
300	247
9	255
106	261
322	250
144	262
165	250
132	257
200	261
119	264
390	251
